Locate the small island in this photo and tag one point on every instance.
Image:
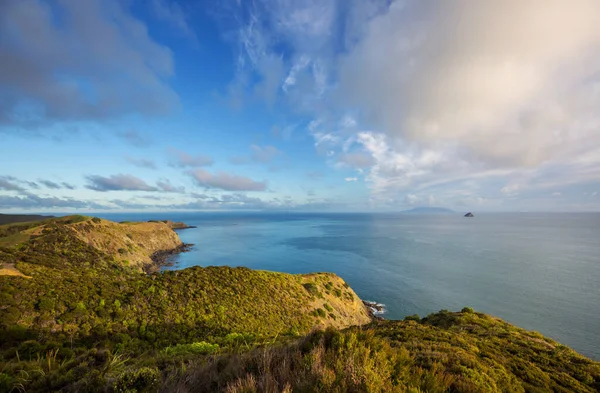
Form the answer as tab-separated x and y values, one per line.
469	215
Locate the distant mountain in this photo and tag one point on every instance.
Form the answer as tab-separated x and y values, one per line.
12	218
429	210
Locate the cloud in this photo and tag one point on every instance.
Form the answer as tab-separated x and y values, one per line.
36	202
351	179
226	181
56	186
260	155
264	154
95	61
356	160
172	13
181	159
7	184
437	105
118	183
166	186
141	162
495	87
134	138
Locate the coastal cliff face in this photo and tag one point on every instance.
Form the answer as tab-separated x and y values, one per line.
132	243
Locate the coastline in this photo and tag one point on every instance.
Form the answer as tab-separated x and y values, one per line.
375	310
160	258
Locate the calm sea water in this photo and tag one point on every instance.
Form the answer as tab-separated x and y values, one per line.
538	271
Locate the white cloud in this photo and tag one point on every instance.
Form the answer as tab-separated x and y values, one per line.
507	91
351	179
502	105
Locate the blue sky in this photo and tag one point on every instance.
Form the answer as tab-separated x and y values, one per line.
355	105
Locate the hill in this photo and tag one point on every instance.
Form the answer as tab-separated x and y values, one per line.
79	317
428	210
13	218
133	243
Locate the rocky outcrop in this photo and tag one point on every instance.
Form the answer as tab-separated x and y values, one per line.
469	215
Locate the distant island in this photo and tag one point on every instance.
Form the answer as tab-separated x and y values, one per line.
80	310
428	210
469	214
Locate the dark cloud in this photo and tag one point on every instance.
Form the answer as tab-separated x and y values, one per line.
79	60
7	183
134	138
118	182
141	162
50	184
181	159
226	181
55	186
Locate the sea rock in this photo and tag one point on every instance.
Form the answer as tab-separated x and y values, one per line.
469	214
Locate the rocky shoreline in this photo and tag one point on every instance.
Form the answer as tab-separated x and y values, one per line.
175	225
161	258
375	309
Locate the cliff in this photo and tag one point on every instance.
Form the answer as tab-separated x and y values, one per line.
132	243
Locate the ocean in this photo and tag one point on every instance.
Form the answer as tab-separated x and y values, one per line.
538	271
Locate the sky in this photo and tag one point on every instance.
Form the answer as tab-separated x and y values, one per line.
299	105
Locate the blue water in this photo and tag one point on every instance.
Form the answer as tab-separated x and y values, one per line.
538	271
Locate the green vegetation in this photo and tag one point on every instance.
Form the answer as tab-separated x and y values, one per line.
445	352
83	316
83	320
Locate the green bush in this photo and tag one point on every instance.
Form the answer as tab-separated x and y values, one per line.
145	379
311	288
201	348
414	317
468	310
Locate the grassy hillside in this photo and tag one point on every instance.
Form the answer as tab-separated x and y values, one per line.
132	243
445	352
79	318
79	301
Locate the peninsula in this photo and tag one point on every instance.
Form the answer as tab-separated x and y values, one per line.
80	310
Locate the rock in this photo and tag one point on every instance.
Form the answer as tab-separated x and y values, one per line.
469	214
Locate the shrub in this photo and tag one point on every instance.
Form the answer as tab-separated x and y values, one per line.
311	288
414	317
468	310
145	379
200	348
